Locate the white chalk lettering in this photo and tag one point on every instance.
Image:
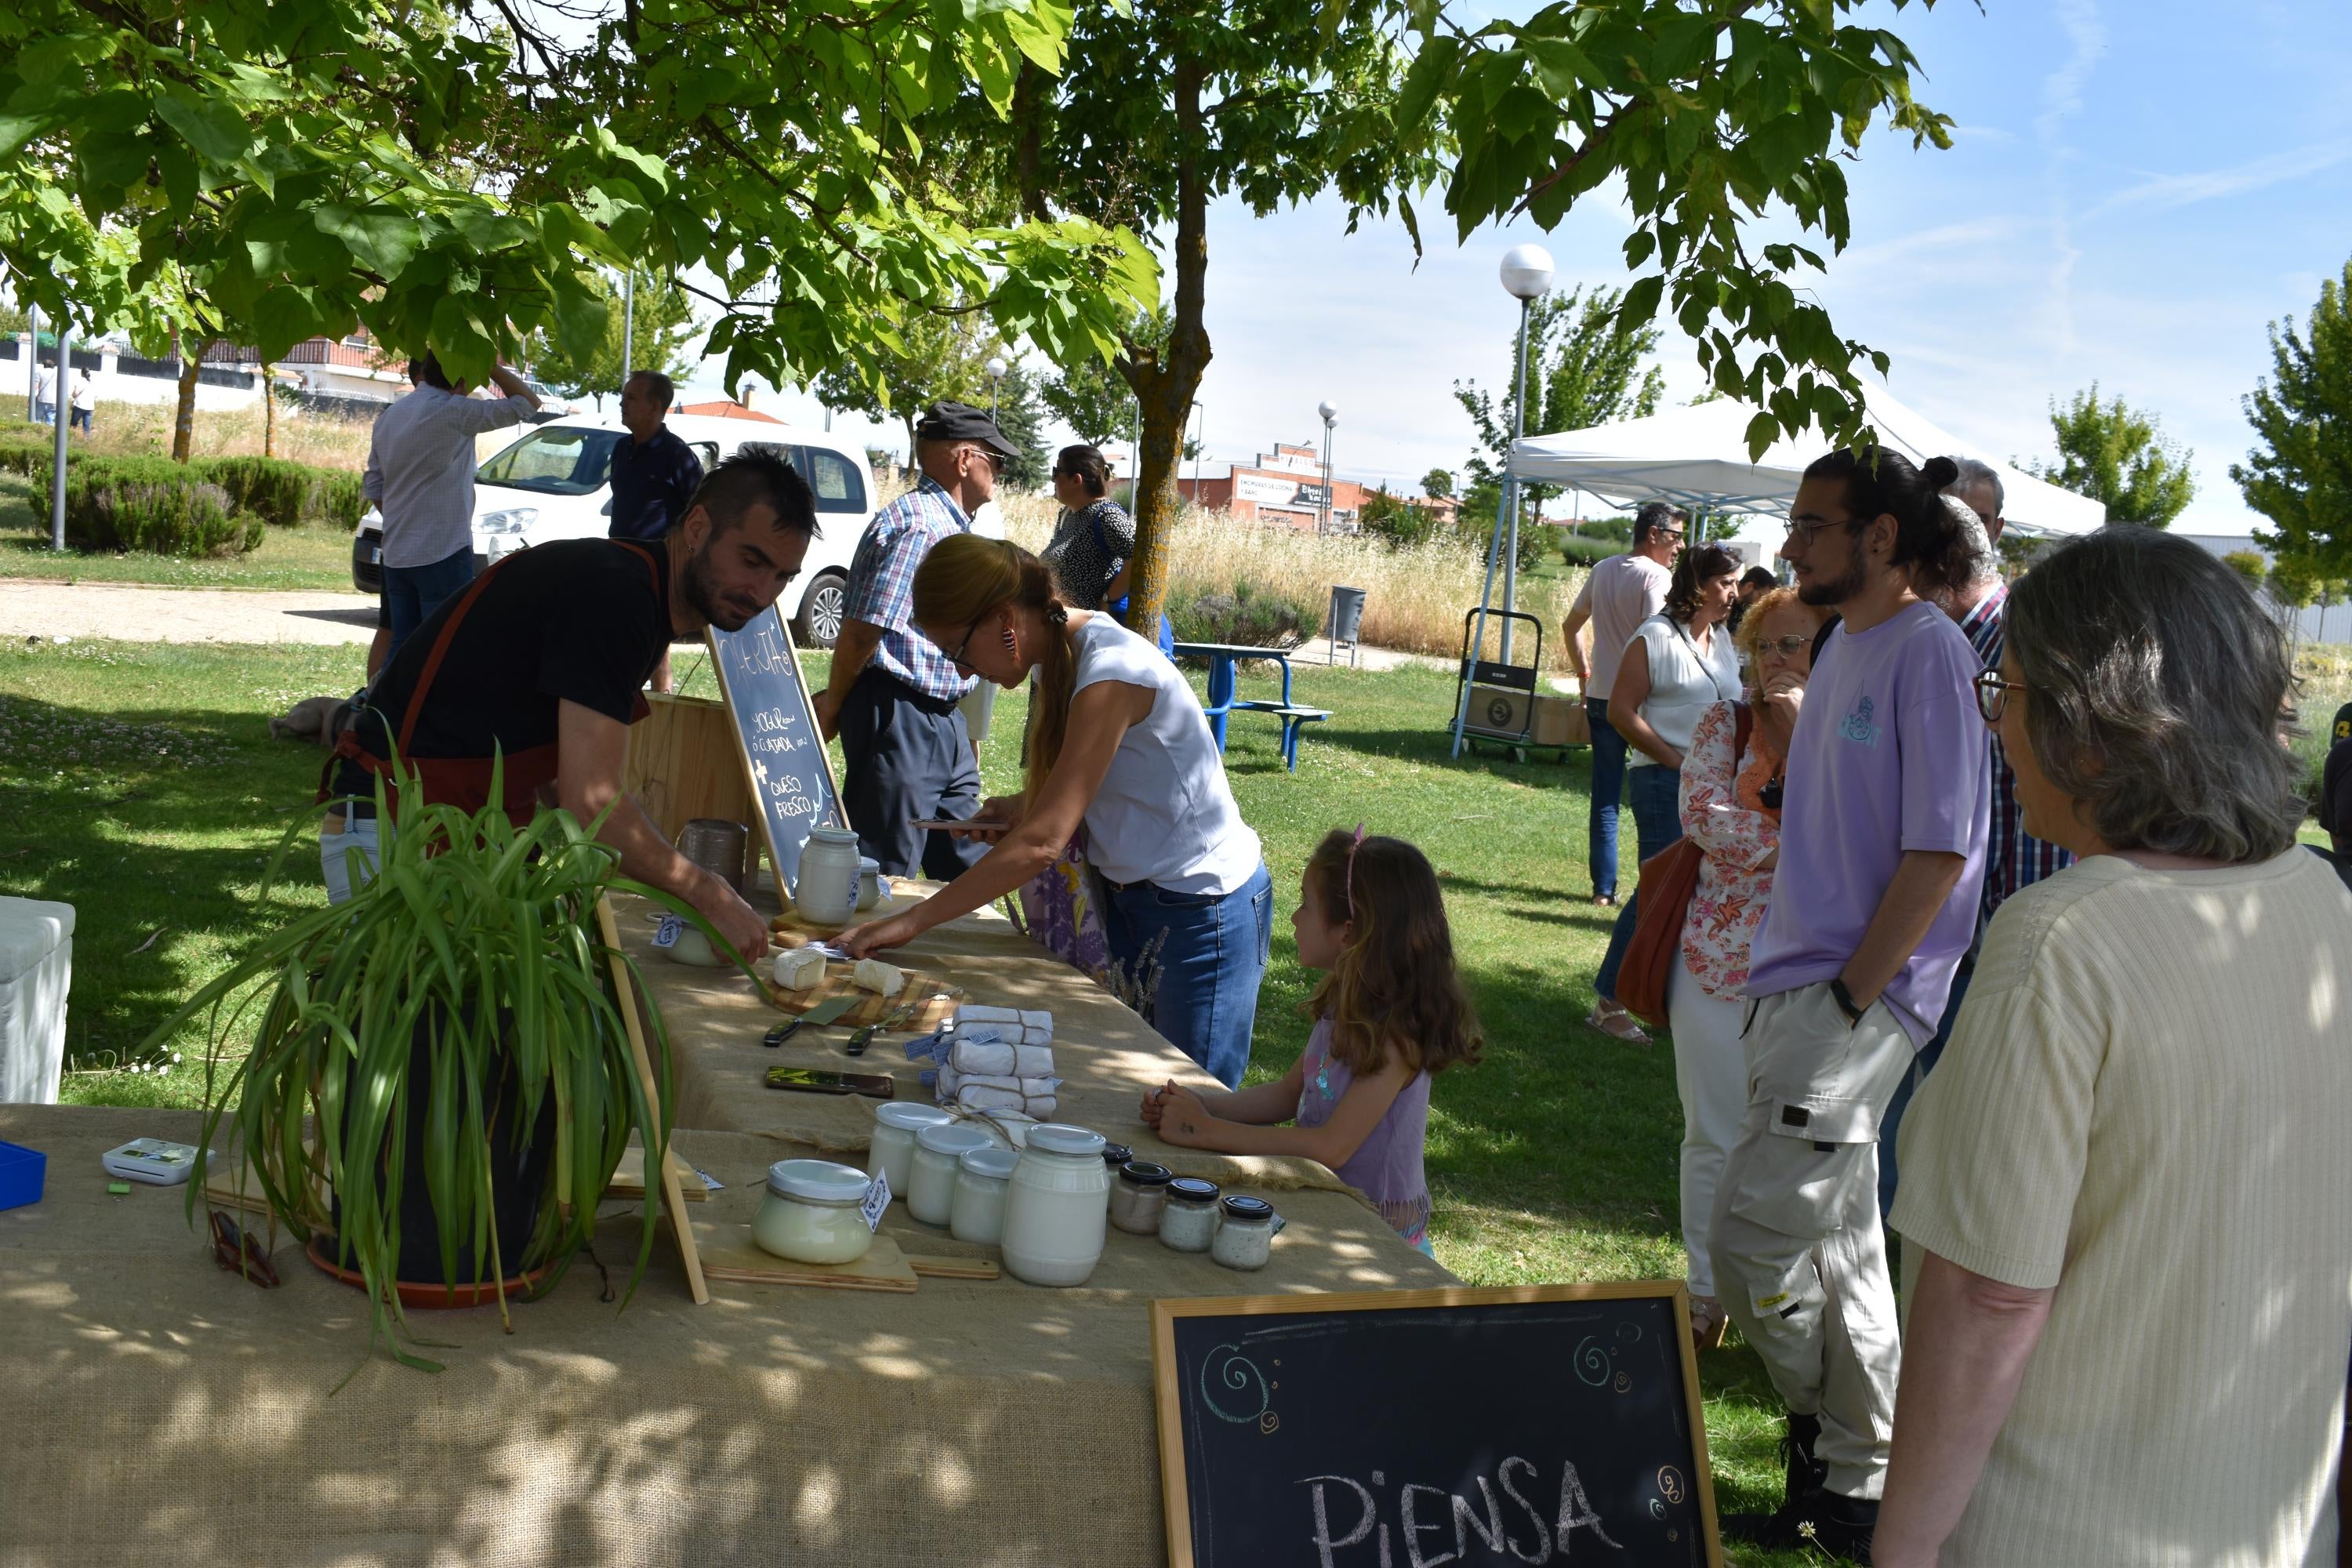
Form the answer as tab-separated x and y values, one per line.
1542	1552
1413	1527
1324	1544
1576	1513
1490	1533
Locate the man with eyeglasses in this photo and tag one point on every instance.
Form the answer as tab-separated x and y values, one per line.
892	697
2014	858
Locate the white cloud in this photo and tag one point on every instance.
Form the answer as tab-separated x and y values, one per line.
2165	193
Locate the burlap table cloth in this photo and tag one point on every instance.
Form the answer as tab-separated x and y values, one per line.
161	1408
1107	1057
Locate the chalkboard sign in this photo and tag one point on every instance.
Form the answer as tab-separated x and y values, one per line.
1474	1427
775	725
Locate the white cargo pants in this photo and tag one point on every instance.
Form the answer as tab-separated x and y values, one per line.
1800	1255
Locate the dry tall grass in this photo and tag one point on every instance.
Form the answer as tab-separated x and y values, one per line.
145	429
1413	599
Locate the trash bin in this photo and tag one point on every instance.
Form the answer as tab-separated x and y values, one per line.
1347	616
36	967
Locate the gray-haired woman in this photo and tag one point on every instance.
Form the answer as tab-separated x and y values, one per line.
2126	1209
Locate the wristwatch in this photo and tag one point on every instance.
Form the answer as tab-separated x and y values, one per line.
1844	999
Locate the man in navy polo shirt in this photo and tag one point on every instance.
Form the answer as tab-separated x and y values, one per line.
653	473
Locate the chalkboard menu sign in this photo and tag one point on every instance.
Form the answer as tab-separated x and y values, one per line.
775	725
1529	1425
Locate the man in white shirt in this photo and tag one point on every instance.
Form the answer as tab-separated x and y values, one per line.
1618	595
45	395
420	472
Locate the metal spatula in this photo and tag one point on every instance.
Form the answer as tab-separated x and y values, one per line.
824	1012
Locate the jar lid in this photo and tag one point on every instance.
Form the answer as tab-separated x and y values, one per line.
1193	1189
995	1163
1248	1211
1144	1174
1116	1154
817	1182
867	863
952	1138
909	1118
1061	1138
831	835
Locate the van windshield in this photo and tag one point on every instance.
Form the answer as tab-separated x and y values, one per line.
554	460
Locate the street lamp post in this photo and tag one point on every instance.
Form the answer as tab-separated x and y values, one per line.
1200	443
1526	274
1330	417
57	459
996	368
628	324
32	359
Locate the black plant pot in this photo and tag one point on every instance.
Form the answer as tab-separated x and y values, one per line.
520	1166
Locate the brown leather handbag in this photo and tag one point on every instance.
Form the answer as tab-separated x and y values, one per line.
1662	901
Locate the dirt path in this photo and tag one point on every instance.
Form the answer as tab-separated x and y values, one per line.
34	607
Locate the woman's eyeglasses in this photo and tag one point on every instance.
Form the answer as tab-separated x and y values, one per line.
956	657
1992	694
1788	646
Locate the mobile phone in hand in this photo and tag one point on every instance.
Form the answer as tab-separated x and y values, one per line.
823	1080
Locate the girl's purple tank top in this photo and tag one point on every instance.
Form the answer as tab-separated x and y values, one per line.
1386	1167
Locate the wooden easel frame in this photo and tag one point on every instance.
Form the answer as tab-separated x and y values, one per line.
1174	1490
673	1195
742	753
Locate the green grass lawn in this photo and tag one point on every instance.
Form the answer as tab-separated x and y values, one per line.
316	557
139	783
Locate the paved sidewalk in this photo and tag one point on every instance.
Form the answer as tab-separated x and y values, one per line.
31	606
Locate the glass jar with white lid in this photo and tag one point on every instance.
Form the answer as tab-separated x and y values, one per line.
892	1151
811	1214
983	1184
824	889
1057	1209
930	1185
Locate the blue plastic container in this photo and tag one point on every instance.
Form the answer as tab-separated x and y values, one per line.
21	1171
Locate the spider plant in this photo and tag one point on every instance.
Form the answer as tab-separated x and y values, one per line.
464	984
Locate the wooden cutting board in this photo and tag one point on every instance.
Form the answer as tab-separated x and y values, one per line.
790	922
729	1253
932	1007
629	1176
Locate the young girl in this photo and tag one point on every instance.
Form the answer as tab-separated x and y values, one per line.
1388	1013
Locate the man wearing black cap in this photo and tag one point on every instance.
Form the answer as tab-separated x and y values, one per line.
892	697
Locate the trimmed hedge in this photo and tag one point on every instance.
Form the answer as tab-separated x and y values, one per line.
281	494
1251	615
342	501
153	504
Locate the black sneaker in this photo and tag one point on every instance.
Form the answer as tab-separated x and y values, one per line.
1836	1526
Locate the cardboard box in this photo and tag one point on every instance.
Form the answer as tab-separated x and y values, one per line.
1498	710
1561	721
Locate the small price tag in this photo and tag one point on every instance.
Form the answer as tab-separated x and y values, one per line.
666	935
878	1198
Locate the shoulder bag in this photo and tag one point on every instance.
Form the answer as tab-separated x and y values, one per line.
1663	903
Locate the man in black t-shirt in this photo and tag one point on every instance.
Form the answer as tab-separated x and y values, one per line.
539	665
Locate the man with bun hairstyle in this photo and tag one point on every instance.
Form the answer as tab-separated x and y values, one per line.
1882	857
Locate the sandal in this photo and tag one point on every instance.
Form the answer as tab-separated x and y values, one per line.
1604	901
1708	1322
1616	1023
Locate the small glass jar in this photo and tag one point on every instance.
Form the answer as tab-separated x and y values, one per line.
930	1184
1138	1197
825	889
1245	1233
892	1151
811	1213
983	1179
1189	1221
1055	1211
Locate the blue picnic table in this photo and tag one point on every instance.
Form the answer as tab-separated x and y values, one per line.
1223	701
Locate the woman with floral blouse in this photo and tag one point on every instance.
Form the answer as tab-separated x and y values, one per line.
1731	809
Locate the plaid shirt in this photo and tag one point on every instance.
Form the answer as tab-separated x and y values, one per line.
882	585
2013	858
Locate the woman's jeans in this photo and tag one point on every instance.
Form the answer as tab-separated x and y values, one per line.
338	836
1210	962
1656	798
1608	786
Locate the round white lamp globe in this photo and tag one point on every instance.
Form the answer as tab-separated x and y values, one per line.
1527	270
1329	411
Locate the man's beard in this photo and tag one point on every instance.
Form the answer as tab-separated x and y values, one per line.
1836	591
695	585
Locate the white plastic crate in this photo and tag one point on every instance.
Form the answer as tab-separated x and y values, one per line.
36	970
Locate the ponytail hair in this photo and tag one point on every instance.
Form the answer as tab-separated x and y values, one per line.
1393	986
1698	565
1928	540
962	579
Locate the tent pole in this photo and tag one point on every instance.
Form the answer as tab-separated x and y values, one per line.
1485	597
1518	429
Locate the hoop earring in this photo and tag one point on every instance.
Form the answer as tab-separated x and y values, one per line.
1012	645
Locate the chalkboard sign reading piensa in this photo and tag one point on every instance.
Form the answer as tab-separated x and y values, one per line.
1405	1429
783	755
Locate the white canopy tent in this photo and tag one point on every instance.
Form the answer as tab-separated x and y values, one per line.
1697	457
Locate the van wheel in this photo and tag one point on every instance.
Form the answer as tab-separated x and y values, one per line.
819	622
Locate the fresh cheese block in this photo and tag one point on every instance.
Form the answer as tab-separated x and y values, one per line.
800	968
884	979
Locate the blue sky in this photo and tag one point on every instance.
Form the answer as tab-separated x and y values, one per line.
2135	192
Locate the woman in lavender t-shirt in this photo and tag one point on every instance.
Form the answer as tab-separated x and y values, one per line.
1389	1013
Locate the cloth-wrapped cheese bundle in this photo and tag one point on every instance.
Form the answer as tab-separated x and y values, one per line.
800	968
883	979
1033	1096
1021	1026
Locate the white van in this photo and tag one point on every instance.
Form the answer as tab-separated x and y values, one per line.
554	483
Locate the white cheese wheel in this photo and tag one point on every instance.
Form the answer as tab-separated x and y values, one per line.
799	968
872	975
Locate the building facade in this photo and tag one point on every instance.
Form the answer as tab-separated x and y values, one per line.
1284	487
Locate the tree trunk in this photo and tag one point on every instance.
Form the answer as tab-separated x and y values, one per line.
1164	380
183	424
269	412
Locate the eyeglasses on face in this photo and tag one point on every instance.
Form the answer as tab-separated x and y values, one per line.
1786	646
955	657
1803	528
1992	694
995	463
